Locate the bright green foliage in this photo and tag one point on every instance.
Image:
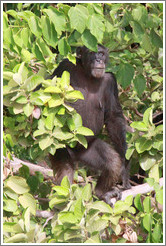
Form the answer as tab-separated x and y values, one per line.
151	221
148	147
49	134
37	37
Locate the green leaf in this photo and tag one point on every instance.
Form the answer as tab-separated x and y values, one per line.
138	203
18	40
62	135
34	24
146	43
17	78
8	36
25	14
5	21
67	217
114	219
45	142
78	16
65	182
55	101
147	204
157	233
63	46
139	126
28	201
155	96
120	207
28	109
37	52
86	193
34	82
96	26
129	200
155	39
93	239
17	108
82	140
89	40
7	75
146	162
129	152
22	100
62	191
10	193
97	225
18	184
139	84
57	201
137	30
25	36
18	238
125	74
154	172
65	80
102	207
74	95
159	196
77	120
44	48
24	171
79	209
142	144
84	131
12	227
49	122
39	132
26	55
140	14
33	183
27	219
147	222
57	18
147	118
10	205
61	110
49	32
160	57
53	89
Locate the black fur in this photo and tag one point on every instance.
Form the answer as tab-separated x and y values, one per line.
100	107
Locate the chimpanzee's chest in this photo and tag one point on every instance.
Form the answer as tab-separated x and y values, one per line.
92	107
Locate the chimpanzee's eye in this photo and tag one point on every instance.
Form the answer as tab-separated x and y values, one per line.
101	54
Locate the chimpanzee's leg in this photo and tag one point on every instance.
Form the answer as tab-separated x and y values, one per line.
62	165
101	156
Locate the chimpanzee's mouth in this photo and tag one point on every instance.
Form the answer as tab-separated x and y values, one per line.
98	72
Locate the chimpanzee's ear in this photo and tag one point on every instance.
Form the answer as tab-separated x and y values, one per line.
79	52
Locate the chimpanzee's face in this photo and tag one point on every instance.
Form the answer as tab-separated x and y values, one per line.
94	63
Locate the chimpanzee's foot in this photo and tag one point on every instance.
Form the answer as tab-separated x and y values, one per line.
126	185
114	193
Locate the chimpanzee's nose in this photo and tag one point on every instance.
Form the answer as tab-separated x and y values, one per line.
99	61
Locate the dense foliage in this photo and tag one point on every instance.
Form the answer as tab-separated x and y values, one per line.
36	38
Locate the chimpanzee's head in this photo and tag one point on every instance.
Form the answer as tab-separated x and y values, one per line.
93	63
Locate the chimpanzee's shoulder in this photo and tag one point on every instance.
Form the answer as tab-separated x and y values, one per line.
110	79
66	63
110	76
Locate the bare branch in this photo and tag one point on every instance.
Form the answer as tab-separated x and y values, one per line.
45	214
139	189
16	163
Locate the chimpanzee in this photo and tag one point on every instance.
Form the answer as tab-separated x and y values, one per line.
100	107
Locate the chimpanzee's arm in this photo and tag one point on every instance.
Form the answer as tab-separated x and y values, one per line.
65	65
114	120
